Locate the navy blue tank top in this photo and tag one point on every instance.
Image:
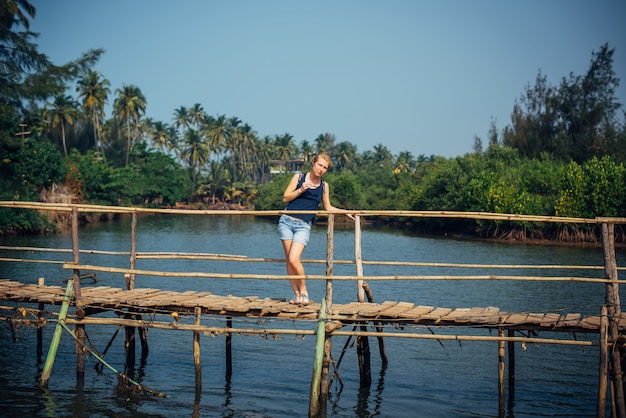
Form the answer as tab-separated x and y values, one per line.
309	200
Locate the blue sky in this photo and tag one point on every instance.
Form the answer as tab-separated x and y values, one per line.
418	76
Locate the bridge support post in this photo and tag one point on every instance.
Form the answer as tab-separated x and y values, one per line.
511	352
501	367
229	348
315	408
614	312
604	362
197	311
56	338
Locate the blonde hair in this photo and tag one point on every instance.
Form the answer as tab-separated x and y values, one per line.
324	156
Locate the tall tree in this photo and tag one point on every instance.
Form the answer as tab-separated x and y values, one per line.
130	105
182	119
588	106
63	110
195	152
196	115
285	148
94	90
218	132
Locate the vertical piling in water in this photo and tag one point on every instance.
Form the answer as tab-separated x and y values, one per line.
56	337
314	400
130	340
41	317
229	348
614	312
511	352
604	361
362	342
80	312
197	312
501	358
330	232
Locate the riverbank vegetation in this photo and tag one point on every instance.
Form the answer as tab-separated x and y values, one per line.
563	153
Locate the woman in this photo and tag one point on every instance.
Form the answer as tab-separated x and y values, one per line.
304	192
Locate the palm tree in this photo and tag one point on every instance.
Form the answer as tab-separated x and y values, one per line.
12	11
196	115
196	152
306	150
218	132
345	154
284	147
217	178
62	110
94	91
382	156
182	118
158	135
325	143
404	163
130	105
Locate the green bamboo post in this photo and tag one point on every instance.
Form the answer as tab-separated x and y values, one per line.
54	345
314	403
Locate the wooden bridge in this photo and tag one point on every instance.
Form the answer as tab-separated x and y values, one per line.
150	302
141	308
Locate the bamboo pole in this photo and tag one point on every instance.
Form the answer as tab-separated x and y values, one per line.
229	347
614	315
330	254
604	362
511	352
133	251
66	207
325	380
56	338
314	400
358	258
363	345
278	331
501	389
80	312
196	351
324	277
379	328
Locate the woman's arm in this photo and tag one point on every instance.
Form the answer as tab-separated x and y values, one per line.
290	191
330	208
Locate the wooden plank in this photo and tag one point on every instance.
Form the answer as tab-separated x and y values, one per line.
490	316
398	309
534	318
375	310
349	308
569	320
550	320
269	306
436	314
416	312
197	300
455	314
473	315
516	319
591	322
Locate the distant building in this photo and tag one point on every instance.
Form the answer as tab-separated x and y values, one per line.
289	166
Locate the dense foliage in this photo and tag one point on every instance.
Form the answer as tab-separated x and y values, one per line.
564	152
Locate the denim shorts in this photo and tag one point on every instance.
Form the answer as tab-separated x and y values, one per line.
293	229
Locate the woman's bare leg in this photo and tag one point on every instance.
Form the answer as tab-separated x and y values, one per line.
293	252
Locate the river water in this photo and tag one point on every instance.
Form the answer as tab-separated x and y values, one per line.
271	376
